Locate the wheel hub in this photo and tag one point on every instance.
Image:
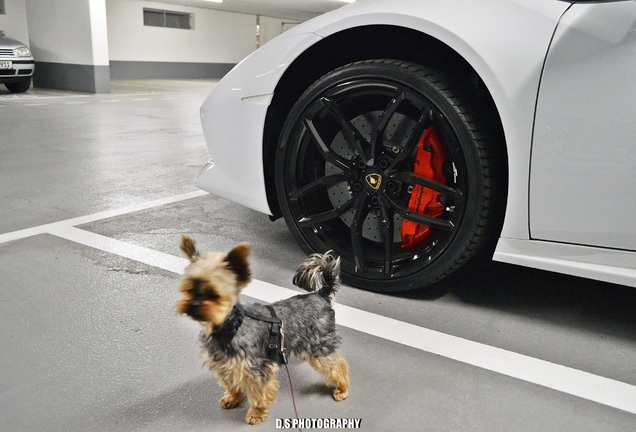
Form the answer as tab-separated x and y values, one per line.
373	182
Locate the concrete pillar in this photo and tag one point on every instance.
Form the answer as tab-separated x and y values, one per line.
69	41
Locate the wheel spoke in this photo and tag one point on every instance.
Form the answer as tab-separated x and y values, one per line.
414	139
362	211
419	218
352	135
386	226
377	135
328	215
324	150
412	178
326	181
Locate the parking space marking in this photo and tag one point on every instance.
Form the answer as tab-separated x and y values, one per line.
43	96
141	254
575	382
557	377
168	95
42	229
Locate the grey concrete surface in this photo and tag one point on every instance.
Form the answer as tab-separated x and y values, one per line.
90	340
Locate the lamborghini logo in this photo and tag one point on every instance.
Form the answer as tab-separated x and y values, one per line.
374	180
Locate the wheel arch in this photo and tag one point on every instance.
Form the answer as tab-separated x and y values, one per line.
364	43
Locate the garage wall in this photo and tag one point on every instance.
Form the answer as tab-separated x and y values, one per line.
69	43
14	20
272	27
69	31
218	41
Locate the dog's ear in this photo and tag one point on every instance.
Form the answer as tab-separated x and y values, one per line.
187	246
237	262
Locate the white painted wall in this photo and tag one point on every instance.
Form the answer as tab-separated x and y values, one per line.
71	31
272	27
217	37
14	21
68	31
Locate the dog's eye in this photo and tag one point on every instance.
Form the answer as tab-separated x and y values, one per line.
211	296
199	293
201	297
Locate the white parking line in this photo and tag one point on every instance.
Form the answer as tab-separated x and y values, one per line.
575	382
557	377
42	96
145	94
28	232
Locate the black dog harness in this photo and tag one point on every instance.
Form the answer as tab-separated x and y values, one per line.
276	342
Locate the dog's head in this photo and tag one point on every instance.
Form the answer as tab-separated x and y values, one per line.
212	282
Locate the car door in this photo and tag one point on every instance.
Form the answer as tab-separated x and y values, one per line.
583	164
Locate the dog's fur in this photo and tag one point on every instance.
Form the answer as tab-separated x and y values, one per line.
235	346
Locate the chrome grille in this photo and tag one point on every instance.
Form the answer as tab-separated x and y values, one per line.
6	52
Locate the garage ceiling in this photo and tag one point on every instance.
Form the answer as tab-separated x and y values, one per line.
300	10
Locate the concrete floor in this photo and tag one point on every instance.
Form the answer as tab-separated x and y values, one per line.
95	191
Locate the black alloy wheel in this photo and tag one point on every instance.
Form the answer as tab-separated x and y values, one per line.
382	162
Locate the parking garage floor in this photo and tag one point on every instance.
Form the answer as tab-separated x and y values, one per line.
95	191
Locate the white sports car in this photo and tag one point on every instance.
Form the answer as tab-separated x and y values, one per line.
412	136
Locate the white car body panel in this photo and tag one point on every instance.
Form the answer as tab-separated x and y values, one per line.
507	49
583	156
241	98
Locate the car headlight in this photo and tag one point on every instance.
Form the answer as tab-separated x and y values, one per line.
22	52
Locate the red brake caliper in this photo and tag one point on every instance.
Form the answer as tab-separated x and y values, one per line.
429	160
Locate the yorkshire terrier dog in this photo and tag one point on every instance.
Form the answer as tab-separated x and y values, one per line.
243	345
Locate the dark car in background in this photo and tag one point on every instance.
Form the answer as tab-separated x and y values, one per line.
16	64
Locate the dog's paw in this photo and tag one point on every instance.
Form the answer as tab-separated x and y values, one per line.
340	395
255	417
230	401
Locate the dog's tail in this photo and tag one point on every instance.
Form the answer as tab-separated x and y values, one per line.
319	273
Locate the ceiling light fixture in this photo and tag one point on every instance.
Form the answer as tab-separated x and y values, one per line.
215	1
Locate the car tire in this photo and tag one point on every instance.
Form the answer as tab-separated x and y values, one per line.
384	163
18	87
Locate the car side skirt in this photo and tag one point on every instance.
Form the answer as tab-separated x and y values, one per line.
608	265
